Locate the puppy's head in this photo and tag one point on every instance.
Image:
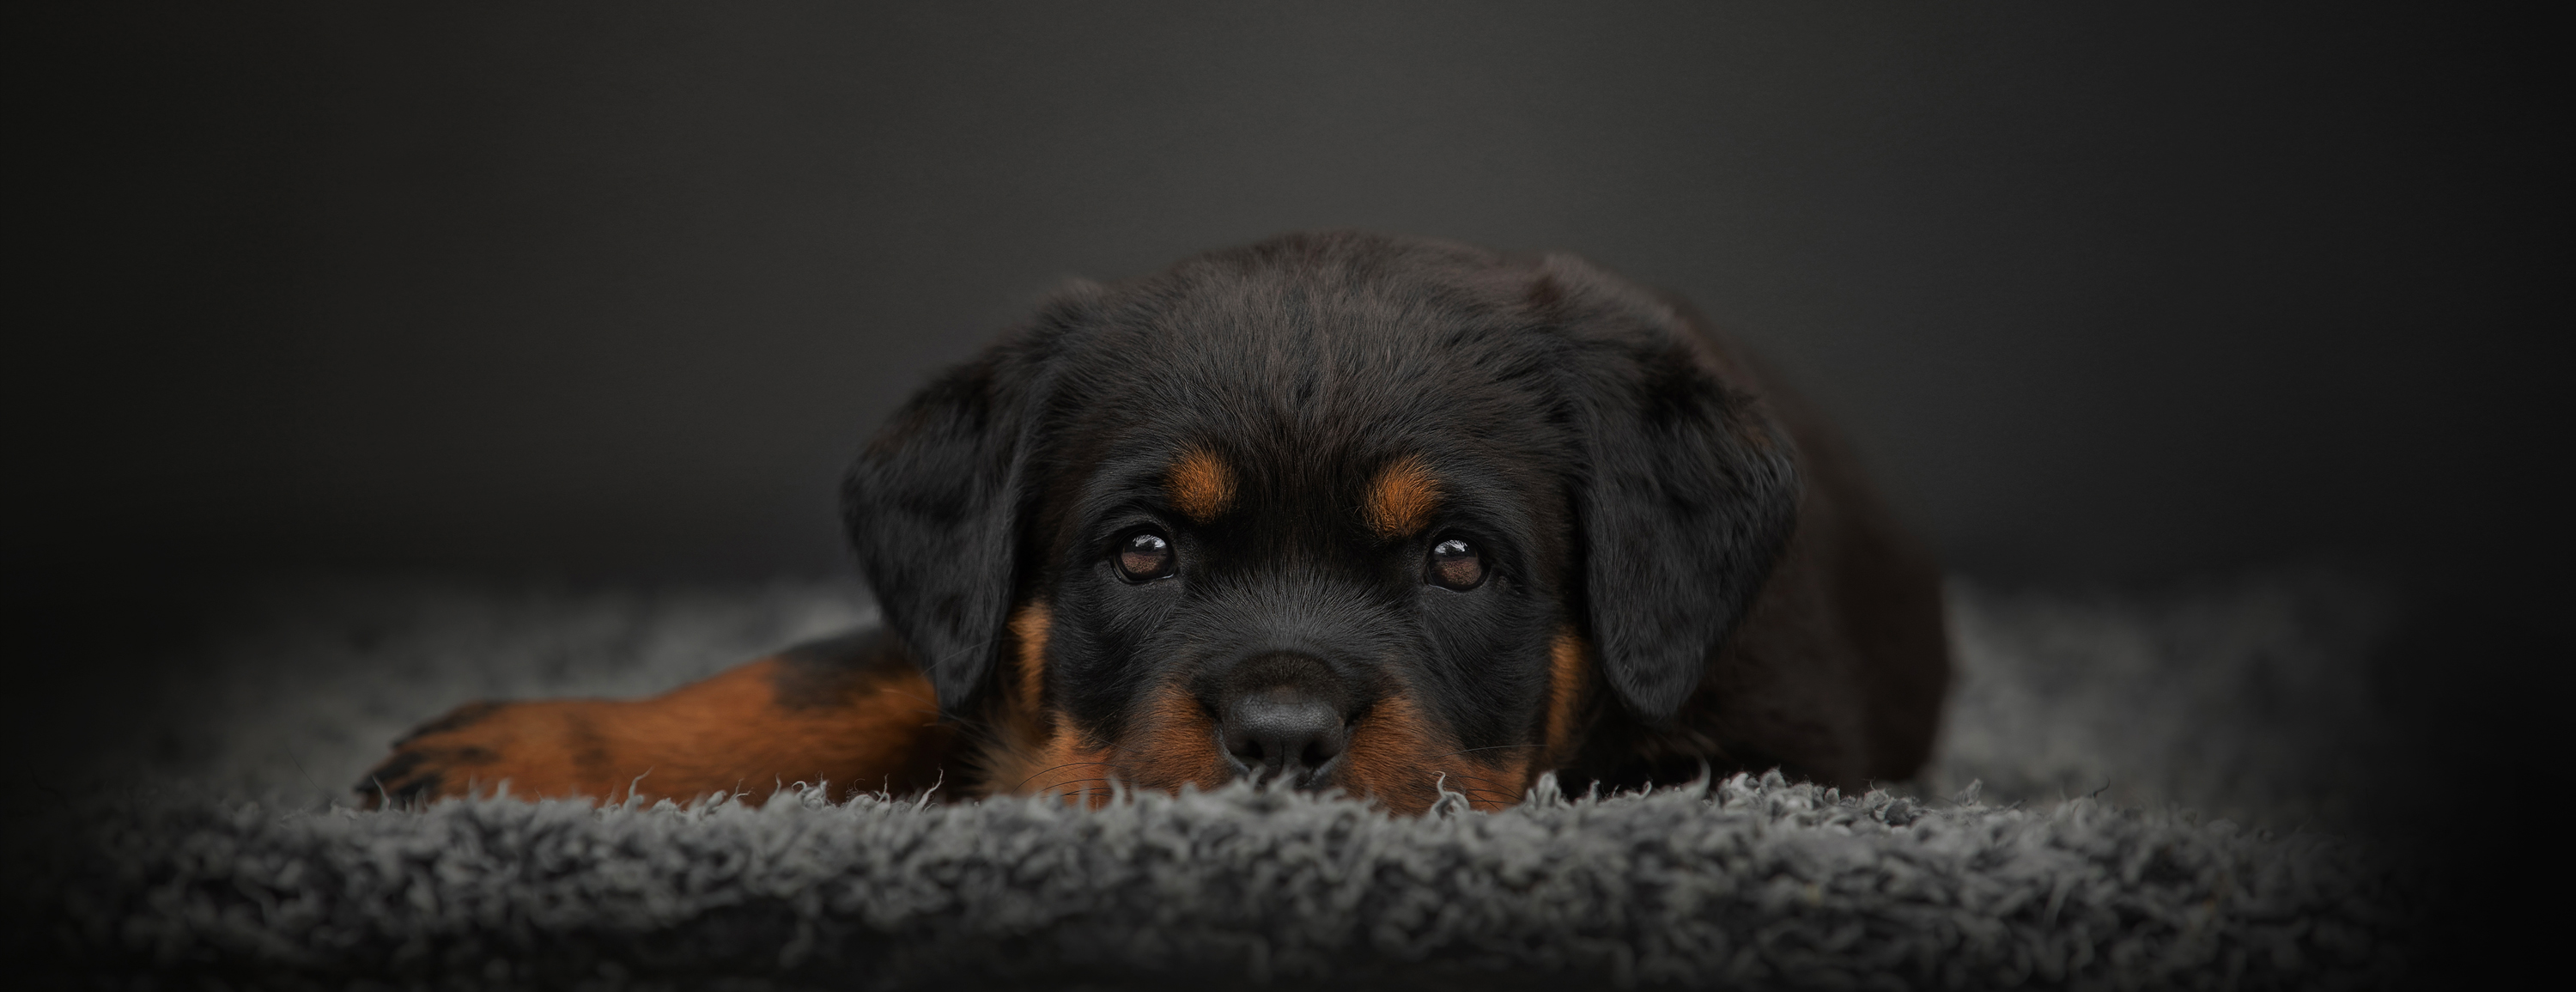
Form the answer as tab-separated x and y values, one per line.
1333	510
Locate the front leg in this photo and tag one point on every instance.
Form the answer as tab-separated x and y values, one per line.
852	711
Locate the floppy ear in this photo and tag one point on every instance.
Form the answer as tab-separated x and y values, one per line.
1690	493
932	510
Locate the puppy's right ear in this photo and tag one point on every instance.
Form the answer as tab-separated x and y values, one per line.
933	510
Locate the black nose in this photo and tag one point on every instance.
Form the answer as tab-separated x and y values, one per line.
1283	732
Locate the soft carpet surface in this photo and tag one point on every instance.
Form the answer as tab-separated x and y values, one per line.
2214	746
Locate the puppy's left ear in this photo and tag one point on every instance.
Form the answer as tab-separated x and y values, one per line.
1689	496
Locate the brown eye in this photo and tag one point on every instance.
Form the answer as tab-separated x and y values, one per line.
1145	557
1456	565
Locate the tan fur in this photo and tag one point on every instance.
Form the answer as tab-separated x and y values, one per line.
1402	498
1068	765
1175	744
1568	669
1171	743
1029	626
1398	759
1201	485
1027	743
726	734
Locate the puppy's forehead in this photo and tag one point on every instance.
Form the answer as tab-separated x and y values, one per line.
1232	396
1312	345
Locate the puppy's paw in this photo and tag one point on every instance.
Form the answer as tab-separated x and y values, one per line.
473	749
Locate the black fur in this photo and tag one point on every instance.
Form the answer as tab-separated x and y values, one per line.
1689	494
825	673
1617	485
932	508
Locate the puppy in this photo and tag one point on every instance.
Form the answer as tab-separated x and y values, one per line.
1335	510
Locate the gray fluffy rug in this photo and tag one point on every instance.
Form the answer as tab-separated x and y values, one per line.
2130	794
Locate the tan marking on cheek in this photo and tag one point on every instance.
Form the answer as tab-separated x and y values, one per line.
1201	486
1062	761
1073	769
1400	502
1029	627
1171	743
1037	752
1397	758
1174	745
1020	742
1569	662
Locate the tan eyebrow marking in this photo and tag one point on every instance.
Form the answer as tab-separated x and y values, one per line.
1401	500
1201	485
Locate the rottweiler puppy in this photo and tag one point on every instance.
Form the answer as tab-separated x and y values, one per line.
1334	510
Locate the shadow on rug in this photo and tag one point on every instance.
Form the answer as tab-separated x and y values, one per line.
229	860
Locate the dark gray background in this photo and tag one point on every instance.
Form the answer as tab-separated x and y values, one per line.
2106	293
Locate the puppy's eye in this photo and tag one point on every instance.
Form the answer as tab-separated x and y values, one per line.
1145	557
1455	565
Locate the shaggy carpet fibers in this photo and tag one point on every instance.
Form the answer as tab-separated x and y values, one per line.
2129	794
